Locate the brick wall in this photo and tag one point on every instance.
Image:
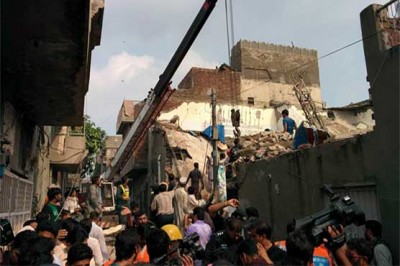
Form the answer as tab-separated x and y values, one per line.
275	63
197	84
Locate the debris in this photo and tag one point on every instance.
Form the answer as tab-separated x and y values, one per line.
263	145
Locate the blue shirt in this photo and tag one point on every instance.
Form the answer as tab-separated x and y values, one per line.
289	123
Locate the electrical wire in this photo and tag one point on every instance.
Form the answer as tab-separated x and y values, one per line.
379	70
319	58
227	31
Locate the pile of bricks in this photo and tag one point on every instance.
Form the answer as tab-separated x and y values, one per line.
263	145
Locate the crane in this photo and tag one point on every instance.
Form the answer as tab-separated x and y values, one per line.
157	97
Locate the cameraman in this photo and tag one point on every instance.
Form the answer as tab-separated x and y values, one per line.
356	251
161	248
224	244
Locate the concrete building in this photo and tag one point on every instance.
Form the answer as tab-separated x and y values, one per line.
359	115
258	83
268	72
45	53
189	107
382	53
365	167
106	155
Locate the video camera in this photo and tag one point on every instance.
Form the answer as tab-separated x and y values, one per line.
188	246
341	211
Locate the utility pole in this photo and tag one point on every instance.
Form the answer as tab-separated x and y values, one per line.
214	139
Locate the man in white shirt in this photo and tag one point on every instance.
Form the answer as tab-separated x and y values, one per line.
93	242
193	202
97	233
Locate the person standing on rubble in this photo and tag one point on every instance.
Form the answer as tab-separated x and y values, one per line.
289	125
196	177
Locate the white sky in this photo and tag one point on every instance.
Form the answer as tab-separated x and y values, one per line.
140	36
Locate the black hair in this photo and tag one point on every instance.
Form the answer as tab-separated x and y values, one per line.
53	192
171	186
86	225
239	214
95	178
252	212
171	177
362	247
236	141
64	212
29	222
285	112
162	188
36	251
254	223
290	227
299	249
196	165
199	212
79	252
248	247
42	216
69	224
69	192
143	230
23	237
156	189
48	226
264	229
138	214
78	235
375	227
125	244
123	179
94	215
157	243
133	204
234	225
191	190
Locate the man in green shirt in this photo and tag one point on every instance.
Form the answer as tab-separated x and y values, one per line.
52	207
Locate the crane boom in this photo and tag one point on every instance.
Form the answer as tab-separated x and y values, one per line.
159	96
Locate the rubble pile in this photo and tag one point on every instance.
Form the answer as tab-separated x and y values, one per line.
264	145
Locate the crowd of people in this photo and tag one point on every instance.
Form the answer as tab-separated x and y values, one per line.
186	230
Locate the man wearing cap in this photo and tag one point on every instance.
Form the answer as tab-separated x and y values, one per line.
180	204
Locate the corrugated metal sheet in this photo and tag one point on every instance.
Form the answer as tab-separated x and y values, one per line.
364	195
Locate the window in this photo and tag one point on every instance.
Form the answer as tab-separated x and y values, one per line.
250	101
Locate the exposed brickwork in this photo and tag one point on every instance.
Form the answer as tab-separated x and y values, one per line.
276	63
197	84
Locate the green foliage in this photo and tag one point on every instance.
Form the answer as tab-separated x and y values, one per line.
94	136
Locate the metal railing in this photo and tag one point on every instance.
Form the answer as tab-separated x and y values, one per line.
15	199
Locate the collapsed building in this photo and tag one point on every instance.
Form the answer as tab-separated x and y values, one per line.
270	175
